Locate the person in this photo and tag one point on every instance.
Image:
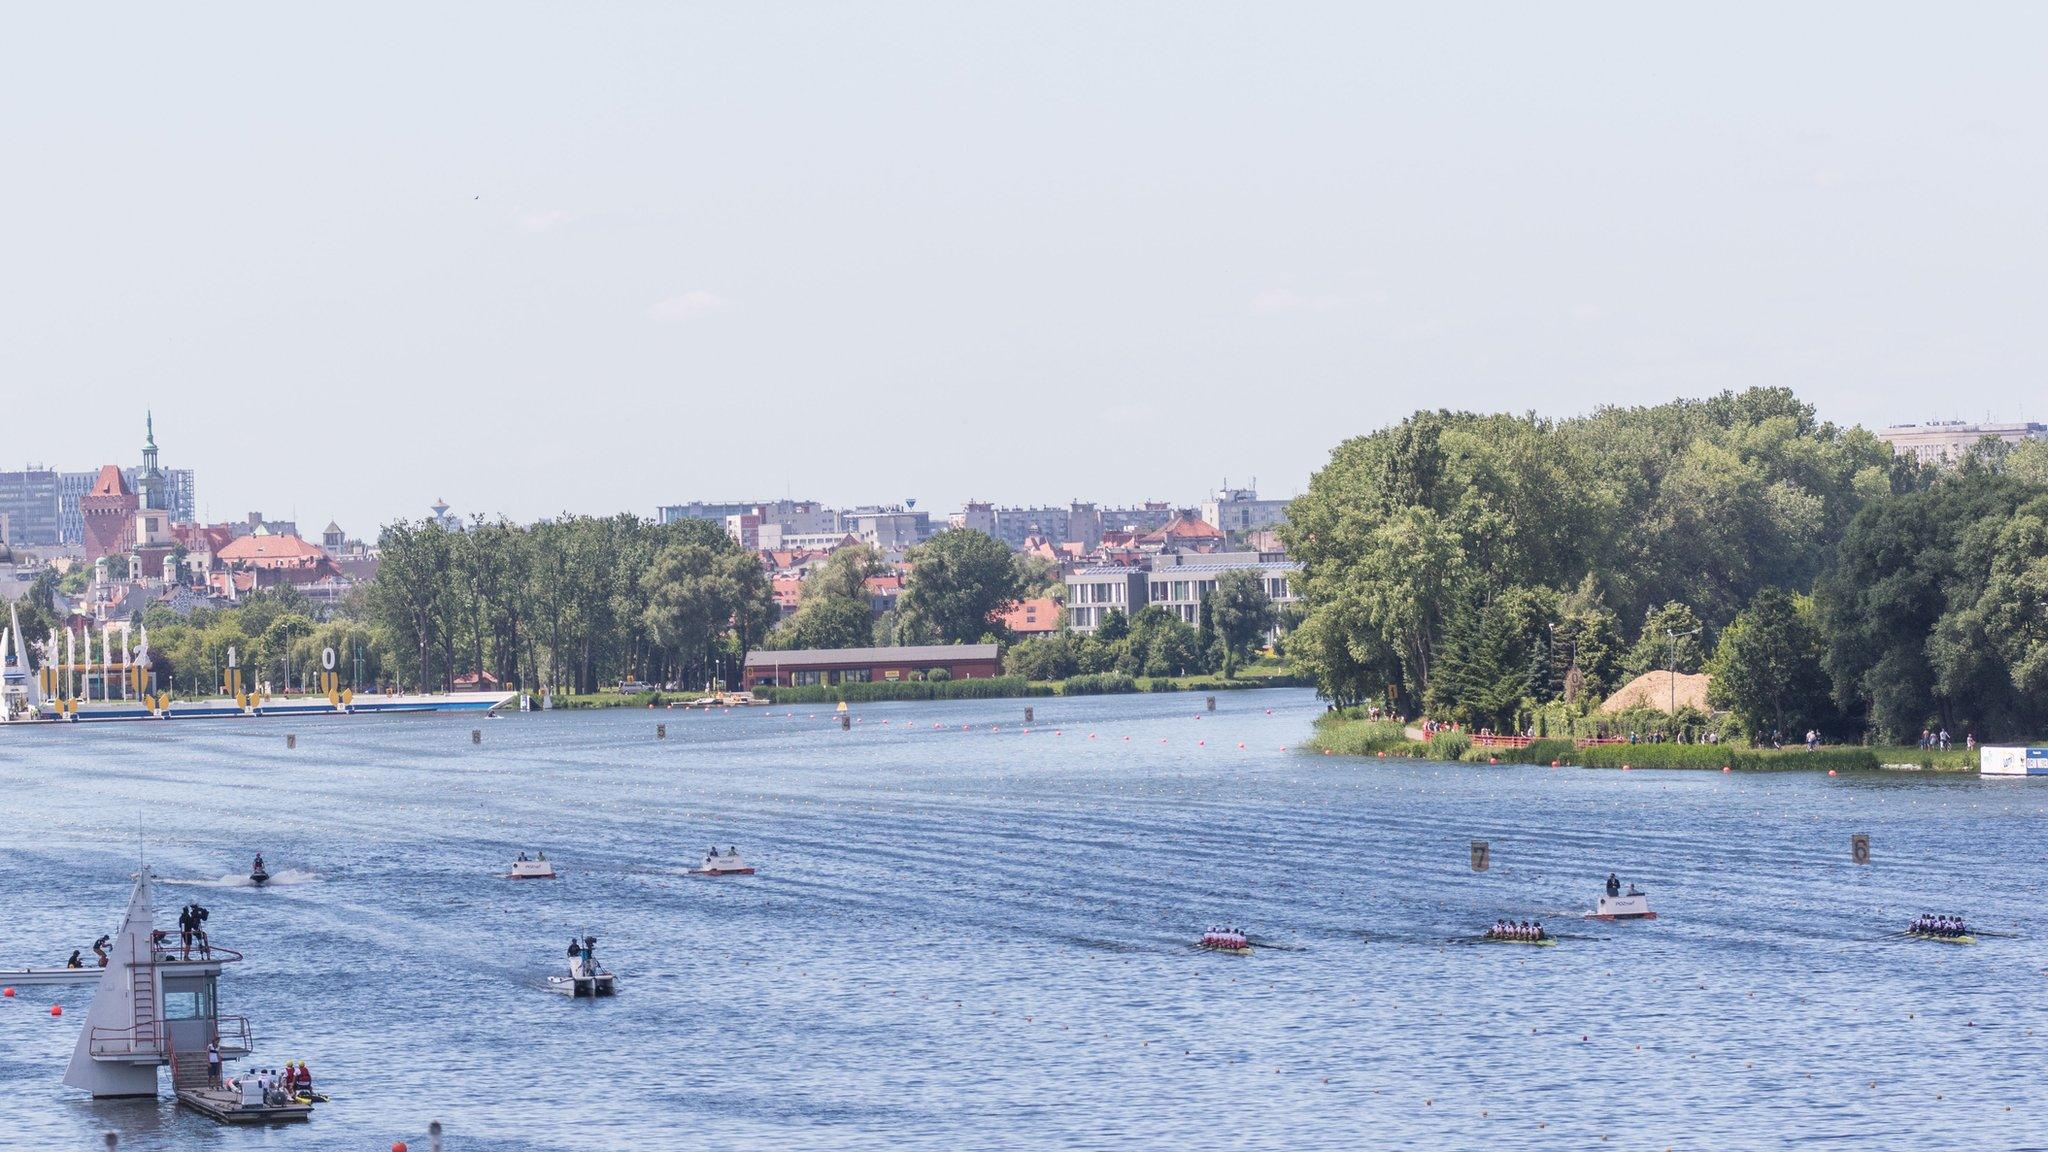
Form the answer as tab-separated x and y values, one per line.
101	948
1539	930
199	915
1812	740
213	1062
1613	884
185	930
76	960
522	857
304	1082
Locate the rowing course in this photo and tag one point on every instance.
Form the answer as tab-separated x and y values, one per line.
982	936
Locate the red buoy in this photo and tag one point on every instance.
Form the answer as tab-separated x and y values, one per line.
7	992
56	1009
398	1146
1831	771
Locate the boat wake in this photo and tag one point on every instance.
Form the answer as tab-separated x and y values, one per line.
241	880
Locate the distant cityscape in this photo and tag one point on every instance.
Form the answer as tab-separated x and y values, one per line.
138	529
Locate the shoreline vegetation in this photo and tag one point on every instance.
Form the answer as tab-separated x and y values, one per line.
1349	734
996	688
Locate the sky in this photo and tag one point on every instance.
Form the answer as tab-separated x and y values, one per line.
533	258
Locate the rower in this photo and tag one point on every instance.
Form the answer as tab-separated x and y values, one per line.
1539	929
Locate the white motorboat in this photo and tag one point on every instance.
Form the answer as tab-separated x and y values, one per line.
728	864
539	867
1630	905
587	977
32	976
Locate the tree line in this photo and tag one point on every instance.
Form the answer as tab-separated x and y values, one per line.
1492	568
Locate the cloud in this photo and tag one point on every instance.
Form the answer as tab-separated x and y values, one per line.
1586	313
686	307
539	219
1275	301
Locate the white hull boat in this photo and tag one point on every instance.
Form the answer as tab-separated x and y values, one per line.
1632	906
26	977
729	864
541	869
584	980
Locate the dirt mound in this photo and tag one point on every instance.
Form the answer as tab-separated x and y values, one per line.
1653	690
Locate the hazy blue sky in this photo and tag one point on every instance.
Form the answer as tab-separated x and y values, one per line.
600	257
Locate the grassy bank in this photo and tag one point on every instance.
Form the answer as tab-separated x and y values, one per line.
1007	687
1350	735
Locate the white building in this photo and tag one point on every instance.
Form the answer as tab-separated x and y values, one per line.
1237	511
1176	582
1944	442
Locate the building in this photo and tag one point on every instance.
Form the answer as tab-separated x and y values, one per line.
1239	511
108	511
1150	516
1078	521
1179	583
1176	582
892	530
1945	442
1033	617
31	499
1094	593
870	665
699	510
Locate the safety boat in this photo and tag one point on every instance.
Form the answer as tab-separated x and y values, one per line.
1232	941
1630	905
537	867
259	875
587	977
729	864
66	975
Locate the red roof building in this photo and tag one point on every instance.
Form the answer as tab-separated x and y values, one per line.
1032	617
109	514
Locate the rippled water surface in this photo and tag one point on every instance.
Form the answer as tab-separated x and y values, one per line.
967	934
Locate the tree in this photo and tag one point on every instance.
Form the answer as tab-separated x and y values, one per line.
1767	668
1671	633
961	581
1242	613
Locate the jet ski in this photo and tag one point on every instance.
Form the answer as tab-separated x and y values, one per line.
258	875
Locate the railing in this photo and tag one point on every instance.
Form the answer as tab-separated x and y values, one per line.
1589	741
148	1040
171	951
139	1040
1492	741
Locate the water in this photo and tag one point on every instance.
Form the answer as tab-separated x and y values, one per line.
969	937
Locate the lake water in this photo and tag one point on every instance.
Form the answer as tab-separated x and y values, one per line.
973	935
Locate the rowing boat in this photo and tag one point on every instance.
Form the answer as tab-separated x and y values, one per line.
1942	939
1546	942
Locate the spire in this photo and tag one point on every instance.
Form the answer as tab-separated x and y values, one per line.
149	425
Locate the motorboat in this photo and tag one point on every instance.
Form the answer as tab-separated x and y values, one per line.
33	976
728	864
537	867
1231	941
1633	904
587	977
259	875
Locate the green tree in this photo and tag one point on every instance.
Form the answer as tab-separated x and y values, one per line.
961	581
1670	633
1767	670
1242	613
